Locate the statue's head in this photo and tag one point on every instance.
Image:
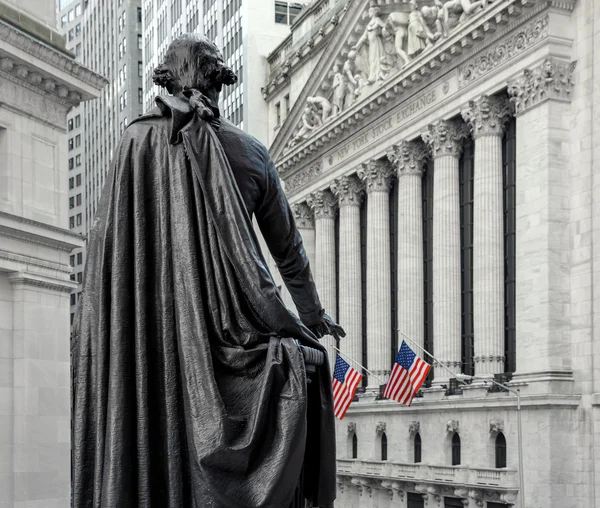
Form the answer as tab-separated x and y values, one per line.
193	61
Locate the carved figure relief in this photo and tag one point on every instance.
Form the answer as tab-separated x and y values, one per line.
340	91
416	30
372	36
461	8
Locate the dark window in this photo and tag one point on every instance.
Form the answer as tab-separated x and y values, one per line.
417	448
71	144
354	446
73	298
78	199
383	446
139	14
428	259
70	125
71	222
72	260
466	258
71	202
281	13
496	505
140	69
415	500
509	160
500	450
78	180
278	114
80	277
77	120
78	160
79	219
294	11
393	235
453	502
71	163
72	277
455	449
72	317
79	258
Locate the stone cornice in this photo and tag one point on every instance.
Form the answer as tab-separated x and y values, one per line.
39	233
425	68
38	50
37	281
19	259
550	80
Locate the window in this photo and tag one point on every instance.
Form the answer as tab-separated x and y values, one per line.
71	34
78	140
354	446
78	180
78	10
286	13
417	448
278	114
78	200
80	277
78	160
78	29
466	170
71	222
77	120
79	219
71	183
509	158
139	37
286	101
384	447
79	258
453	502
63	20
414	500
140	69
78	50
139	16
71	15
70	143
71	202
140	95
500	450
73	277
72	259
70	125
73	298
71	163
456	449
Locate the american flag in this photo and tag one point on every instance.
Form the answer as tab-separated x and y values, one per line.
408	375
345	380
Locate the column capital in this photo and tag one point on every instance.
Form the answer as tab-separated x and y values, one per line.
409	157
376	174
552	79
445	137
303	215
348	189
323	204
488	115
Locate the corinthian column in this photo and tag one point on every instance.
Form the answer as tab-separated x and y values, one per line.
323	204
349	191
487	117
376	175
408	159
445	139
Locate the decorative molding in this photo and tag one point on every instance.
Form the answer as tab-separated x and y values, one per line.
349	190
409	157
523	39
376	174
550	80
301	179
303	216
496	426
53	57
414	428
351	428
452	426
323	203
31	261
445	137
488	115
26	279
380	427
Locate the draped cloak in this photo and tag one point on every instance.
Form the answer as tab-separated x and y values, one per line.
189	390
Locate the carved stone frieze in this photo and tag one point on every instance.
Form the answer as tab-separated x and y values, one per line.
303	215
304	177
349	190
452	426
376	174
351	428
523	39
380	428
323	203
445	137
409	157
488	115
550	80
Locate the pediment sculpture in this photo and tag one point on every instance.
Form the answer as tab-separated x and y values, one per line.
390	37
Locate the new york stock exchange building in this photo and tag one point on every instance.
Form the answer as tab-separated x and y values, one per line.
439	156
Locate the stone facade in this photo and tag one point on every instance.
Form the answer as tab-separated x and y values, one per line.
403	89
38	85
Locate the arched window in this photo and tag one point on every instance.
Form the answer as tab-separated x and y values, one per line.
455	449
417	448
500	450
354	446
383	446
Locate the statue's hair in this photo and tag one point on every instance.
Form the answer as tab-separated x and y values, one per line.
193	61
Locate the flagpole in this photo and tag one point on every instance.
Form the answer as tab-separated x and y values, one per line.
358	364
427	353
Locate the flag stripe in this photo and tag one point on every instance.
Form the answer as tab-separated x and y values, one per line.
407	376
344	383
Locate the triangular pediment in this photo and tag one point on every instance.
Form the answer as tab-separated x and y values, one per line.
375	42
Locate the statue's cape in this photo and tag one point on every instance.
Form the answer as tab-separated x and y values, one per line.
189	390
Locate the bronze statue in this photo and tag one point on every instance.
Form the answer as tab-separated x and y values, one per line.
189	387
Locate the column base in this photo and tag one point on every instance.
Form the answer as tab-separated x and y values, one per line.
558	382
